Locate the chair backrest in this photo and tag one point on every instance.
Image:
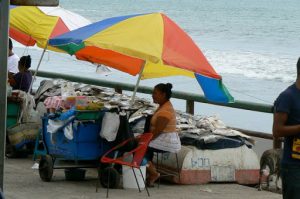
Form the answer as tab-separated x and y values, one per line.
137	153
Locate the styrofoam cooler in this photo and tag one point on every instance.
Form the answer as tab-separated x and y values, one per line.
129	181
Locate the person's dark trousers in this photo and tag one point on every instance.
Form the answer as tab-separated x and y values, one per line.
290	175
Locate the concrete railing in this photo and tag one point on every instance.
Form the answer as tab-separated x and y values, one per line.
189	97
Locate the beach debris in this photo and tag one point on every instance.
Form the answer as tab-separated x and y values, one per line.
205	189
233	133
45	85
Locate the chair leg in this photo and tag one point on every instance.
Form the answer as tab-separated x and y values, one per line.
108	184
161	163
157	166
144	180
178	169
136	179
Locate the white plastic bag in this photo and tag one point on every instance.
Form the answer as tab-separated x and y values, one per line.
54	125
110	126
68	131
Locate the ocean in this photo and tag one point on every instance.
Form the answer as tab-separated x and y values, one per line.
253	44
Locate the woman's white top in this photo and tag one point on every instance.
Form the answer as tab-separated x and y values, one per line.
167	142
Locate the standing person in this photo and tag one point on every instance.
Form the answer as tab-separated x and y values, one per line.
286	124
22	80
12	60
163	128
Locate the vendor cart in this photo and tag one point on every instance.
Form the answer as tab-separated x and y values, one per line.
60	152
19	136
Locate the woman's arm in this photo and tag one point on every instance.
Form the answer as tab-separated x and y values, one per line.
12	81
160	125
10	75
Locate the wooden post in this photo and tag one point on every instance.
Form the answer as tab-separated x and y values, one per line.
190	106
119	90
4	16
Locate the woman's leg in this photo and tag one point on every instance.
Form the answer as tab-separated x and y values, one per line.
153	175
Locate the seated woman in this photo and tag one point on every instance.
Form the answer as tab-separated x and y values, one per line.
163	127
22	79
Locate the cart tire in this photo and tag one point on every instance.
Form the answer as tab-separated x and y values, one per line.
114	179
46	168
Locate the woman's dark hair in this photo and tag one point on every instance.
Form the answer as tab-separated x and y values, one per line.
25	61
10	44
165	88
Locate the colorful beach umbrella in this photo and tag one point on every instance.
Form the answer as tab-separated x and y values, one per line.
151	45
32	25
35	25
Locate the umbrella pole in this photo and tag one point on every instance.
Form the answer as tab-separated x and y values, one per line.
137	84
38	66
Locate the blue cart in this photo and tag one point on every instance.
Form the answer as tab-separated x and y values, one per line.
83	151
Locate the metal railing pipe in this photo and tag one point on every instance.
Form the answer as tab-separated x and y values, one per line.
265	108
254	133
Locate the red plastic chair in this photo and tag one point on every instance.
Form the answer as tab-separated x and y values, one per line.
137	155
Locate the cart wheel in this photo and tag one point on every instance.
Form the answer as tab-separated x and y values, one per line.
46	168
114	179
